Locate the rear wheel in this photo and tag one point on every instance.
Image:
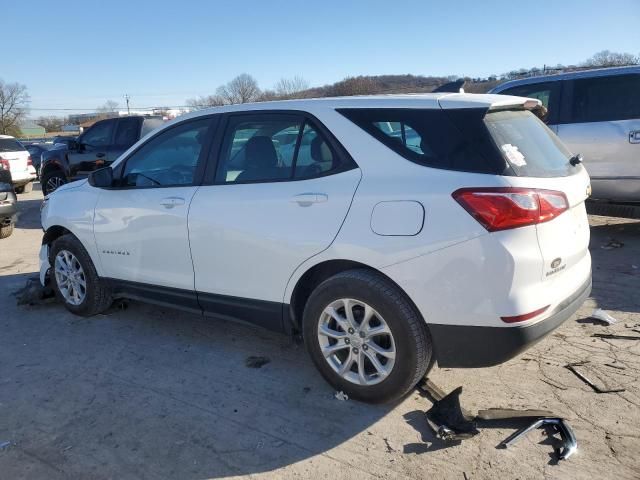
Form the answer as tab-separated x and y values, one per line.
75	280
366	337
52	180
6	230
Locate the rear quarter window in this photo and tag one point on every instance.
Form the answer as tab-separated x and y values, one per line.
474	140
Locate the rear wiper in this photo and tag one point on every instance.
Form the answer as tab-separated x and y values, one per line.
576	159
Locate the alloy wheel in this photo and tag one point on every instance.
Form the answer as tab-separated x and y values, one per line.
356	341
70	277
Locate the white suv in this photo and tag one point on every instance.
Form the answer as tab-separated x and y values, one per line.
15	158
390	231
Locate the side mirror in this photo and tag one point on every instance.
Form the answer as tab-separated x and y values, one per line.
102	178
73	145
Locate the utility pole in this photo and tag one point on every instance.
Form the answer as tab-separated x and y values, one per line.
126	97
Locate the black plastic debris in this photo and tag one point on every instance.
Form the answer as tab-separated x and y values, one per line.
33	293
256	362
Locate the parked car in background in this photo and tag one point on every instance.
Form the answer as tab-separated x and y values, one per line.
35	151
16	159
97	147
8	204
595	113
390	231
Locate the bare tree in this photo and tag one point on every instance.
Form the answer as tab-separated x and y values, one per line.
109	106
606	58
51	123
14	103
291	87
355	86
205	101
242	89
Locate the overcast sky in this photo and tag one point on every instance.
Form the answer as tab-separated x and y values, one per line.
79	54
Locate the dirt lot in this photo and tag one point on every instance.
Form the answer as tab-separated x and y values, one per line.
153	393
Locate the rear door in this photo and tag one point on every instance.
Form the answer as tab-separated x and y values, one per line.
278	195
601	121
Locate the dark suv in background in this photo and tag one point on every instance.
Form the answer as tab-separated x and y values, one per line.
97	147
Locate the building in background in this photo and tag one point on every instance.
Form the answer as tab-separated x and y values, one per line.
30	129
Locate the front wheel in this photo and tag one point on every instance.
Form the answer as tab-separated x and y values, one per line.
365	337
6	230
74	278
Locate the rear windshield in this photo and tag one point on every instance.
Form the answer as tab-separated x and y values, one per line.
528	145
10	145
508	142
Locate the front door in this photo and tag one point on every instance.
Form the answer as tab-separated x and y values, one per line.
281	191
140	225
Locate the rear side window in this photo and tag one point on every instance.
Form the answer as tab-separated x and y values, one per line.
10	145
507	142
602	99
450	140
273	147
528	145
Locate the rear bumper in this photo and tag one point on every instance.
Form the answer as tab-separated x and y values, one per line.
7	211
459	346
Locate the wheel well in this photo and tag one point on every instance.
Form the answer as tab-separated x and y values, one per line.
318	274
53	233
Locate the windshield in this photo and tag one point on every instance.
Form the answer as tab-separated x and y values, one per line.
10	145
528	145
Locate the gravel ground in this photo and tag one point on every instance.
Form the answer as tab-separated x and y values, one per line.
147	392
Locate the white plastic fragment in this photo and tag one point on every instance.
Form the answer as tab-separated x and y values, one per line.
603	316
341	396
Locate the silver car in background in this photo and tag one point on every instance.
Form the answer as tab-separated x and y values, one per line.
595	113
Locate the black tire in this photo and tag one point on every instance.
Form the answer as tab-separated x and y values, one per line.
51	175
19	189
410	333
27	188
98	297
6	231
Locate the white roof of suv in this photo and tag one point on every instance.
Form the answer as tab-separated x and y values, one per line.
417	100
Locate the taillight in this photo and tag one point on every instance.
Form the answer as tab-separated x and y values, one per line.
4	164
29	162
505	208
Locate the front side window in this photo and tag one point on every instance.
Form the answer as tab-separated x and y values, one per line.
272	147
602	99
99	135
169	159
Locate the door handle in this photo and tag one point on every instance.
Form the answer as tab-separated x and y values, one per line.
307	199
100	155
634	136
171	202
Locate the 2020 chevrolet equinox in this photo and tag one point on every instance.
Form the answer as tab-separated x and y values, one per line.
391	231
